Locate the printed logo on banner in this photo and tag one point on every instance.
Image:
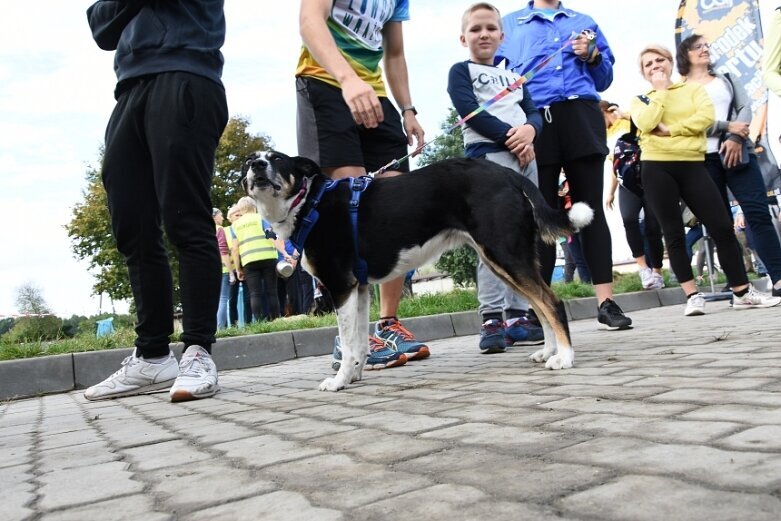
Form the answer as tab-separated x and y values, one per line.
707	6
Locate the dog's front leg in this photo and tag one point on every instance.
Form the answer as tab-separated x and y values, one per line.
353	334
362	323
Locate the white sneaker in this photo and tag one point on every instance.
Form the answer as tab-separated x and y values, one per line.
197	376
755	299
647	278
136	376
658	281
695	305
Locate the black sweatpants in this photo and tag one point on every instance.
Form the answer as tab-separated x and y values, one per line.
157	169
586	182
630	205
261	277
665	184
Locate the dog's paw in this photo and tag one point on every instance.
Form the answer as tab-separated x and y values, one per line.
558	361
331	384
540	356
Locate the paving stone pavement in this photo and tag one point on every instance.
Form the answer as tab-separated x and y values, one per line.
679	418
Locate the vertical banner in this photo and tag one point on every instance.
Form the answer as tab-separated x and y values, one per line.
734	31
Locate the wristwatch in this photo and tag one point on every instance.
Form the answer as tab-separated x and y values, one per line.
405	108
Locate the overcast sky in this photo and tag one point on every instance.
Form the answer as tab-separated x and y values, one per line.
56	95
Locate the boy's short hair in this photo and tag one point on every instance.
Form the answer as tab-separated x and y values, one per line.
476	7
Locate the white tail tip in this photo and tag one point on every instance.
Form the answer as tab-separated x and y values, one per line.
580	215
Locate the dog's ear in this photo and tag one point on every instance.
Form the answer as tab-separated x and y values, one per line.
247	162
305	167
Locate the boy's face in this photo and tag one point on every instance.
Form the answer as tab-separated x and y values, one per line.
482	35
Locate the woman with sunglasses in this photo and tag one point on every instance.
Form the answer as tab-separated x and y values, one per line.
672	120
728	140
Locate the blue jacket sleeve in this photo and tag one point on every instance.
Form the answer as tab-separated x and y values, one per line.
602	73
108	18
459	86
533	116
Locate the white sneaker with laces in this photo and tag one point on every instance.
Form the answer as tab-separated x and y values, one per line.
647	278
197	376
755	299
695	305
136	376
658	281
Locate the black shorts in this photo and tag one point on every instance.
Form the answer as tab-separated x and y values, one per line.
328	135
571	129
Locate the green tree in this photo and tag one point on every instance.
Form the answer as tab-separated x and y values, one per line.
90	226
461	263
30	301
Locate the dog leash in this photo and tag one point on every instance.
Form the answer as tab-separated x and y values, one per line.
586	33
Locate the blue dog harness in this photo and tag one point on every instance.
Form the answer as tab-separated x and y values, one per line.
357	186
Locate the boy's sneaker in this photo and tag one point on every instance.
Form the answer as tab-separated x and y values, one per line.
197	376
379	355
522	332
754	299
136	376
400	339
492	337
647	278
695	305
612	316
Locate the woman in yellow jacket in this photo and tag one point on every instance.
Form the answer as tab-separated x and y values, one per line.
256	259
672	120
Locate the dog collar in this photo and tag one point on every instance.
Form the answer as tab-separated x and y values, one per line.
299	197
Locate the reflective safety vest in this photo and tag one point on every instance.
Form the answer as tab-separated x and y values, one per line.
229	240
253	245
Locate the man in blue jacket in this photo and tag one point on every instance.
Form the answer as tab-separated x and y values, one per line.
573	136
157	168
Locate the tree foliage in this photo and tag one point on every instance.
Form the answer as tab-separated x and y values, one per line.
29	300
461	263
90	226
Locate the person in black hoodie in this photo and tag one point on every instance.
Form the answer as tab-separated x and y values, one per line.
157	168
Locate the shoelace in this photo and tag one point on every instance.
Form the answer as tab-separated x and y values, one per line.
401	331
126	364
193	366
376	344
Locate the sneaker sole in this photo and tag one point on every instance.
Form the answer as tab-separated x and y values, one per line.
605	327
379	367
420	354
149	389
492	350
183	395
754	306
524	342
694	313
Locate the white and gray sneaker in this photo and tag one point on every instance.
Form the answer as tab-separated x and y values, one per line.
658	281
695	305
197	376
755	299
647	278
136	376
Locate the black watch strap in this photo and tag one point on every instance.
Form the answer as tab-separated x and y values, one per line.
405	108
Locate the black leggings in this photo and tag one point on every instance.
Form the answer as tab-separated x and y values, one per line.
586	182
666	183
630	206
261	277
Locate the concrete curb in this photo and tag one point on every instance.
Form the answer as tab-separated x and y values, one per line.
62	373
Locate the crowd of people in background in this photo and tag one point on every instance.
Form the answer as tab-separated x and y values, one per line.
693	138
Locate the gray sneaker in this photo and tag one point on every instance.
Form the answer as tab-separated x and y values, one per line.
136	376
755	299
197	376
695	305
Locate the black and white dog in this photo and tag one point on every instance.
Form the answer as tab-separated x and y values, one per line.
409	220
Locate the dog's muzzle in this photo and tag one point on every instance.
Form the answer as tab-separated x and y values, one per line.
257	177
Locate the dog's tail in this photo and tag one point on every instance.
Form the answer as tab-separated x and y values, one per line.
553	223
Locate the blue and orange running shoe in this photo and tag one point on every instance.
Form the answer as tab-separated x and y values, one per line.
400	339
380	355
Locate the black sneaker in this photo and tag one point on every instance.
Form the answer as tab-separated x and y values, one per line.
776	292
612	317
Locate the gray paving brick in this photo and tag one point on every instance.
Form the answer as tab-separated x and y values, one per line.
265	450
484	468
165	454
519	417
736	413
69	439
649	498
128	508
199	485
718	397
628	408
400	422
306	428
341	482
673	431
376	446
208	431
289	506
124	434
720	468
764	437
448	502
63	488
517	439
72	456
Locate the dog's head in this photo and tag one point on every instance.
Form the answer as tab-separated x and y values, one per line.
278	183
